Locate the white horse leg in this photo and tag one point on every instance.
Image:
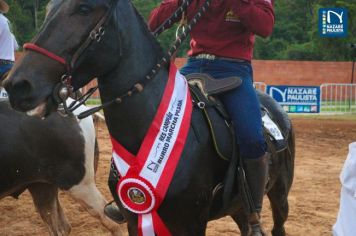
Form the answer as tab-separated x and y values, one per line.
86	191
89	196
45	198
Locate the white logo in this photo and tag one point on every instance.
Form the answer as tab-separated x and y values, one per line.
276	90
336	14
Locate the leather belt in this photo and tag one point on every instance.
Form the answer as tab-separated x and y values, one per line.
213	57
6	62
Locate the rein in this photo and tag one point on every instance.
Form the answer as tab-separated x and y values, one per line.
139	87
64	88
170	21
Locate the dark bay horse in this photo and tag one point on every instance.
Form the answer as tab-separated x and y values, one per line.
109	40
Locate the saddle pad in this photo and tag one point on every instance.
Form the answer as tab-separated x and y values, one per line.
3	93
274	132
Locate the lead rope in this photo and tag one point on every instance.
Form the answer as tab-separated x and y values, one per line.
139	87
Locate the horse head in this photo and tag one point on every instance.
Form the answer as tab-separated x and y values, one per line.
75	36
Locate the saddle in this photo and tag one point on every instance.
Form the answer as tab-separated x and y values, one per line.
204	89
210	86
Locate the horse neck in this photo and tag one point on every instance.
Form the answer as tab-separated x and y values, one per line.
129	121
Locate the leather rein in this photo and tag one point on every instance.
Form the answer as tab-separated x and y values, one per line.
64	88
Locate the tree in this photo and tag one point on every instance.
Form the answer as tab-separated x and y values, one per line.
25	15
295	35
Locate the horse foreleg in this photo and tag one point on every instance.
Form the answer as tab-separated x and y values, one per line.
45	198
89	197
278	195
279	204
241	220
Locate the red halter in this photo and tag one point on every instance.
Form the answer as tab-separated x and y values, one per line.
33	47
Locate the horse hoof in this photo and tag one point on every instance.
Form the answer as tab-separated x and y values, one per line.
256	230
113	212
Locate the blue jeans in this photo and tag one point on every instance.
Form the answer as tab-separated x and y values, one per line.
4	68
241	103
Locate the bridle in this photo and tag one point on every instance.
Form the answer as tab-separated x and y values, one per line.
64	88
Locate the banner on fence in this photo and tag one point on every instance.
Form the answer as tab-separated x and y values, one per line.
296	99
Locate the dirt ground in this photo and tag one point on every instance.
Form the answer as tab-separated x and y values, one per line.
322	146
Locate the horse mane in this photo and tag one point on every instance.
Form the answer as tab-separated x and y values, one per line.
147	32
52	6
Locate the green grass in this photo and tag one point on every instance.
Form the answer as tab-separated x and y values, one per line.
93	102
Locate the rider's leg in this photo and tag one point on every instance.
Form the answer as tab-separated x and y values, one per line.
243	107
256	175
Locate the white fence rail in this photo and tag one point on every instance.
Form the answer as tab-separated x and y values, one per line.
338	98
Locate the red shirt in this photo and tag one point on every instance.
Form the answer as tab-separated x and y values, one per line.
227	29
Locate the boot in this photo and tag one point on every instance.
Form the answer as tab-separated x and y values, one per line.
113	212
256	171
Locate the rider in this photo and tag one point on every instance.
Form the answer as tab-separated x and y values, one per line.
222	46
8	44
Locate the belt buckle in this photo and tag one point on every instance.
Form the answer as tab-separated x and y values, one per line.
206	56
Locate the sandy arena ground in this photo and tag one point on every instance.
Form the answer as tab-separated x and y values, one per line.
322	146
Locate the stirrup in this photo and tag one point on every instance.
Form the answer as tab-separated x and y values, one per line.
112	211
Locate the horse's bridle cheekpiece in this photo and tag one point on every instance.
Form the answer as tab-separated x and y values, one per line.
64	88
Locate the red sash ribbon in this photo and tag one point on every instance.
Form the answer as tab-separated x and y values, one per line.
147	176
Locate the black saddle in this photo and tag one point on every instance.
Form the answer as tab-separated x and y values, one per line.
204	89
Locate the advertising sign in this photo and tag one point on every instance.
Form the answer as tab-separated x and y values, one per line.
296	99
333	22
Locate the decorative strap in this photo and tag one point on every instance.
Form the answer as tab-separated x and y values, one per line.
45	52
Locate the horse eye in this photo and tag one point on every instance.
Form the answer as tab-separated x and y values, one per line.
84	9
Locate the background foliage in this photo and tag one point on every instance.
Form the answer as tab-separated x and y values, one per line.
295	35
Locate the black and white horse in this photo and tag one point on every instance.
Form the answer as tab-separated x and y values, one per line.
46	156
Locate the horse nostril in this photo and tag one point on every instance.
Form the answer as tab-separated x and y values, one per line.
20	89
